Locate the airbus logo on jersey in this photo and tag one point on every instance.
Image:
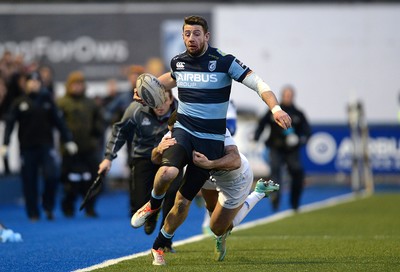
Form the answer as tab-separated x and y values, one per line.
180	65
191	79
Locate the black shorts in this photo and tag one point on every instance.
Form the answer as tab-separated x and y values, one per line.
180	155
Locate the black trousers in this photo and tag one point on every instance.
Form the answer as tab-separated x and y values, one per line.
290	158
39	161
78	173
141	184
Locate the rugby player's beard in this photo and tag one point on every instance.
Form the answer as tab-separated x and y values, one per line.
198	52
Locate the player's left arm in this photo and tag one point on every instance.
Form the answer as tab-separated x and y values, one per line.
230	161
255	83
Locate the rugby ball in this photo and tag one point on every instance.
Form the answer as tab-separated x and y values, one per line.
150	90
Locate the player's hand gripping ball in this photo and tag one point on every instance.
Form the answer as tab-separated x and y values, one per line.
150	90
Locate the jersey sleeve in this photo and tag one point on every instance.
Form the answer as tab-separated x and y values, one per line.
122	131
238	70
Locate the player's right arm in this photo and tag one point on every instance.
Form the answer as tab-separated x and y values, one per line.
255	83
167	80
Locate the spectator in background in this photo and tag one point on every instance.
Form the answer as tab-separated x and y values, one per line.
147	126
37	116
6	65
13	72
3	109
12	84
155	66
3	94
46	74
284	146
85	121
112	94
121	101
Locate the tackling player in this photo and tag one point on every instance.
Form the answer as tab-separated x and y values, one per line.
226	193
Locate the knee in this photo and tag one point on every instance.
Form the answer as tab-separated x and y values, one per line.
168	173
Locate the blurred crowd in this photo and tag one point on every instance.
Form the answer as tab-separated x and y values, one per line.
70	157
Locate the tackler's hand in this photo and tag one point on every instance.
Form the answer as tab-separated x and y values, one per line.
201	160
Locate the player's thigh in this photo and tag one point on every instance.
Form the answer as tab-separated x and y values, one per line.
193	181
176	156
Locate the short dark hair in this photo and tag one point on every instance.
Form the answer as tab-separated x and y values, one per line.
196	20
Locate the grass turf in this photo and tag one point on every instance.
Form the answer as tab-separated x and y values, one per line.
362	235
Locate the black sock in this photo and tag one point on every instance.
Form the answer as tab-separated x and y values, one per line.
161	241
155	203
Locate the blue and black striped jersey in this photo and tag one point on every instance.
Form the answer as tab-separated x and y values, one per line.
204	86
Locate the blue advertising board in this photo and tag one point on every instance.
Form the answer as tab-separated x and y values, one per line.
330	149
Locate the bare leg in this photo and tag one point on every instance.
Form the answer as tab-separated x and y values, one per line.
177	214
211	199
221	219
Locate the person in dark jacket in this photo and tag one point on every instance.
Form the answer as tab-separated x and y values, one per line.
284	147
147	126
84	119
37	116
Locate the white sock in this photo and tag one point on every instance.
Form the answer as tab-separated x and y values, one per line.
248	205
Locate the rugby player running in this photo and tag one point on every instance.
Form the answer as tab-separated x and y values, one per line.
203	75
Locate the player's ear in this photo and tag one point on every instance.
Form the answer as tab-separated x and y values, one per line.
207	36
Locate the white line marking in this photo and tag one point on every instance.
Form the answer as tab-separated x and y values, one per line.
333	201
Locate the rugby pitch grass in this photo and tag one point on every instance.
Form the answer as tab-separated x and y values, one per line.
362	235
